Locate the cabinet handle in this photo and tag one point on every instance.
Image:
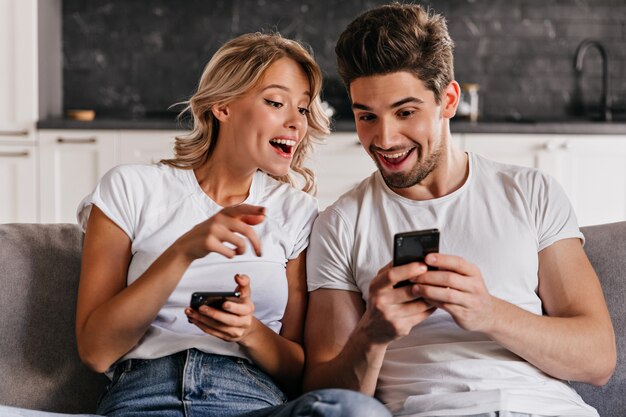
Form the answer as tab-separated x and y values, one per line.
14	154
77	140
13	132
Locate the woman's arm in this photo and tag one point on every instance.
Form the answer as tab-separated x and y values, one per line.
281	356
111	317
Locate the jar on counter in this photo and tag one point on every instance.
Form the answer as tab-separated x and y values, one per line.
468	104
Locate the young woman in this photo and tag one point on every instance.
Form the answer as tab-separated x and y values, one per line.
222	215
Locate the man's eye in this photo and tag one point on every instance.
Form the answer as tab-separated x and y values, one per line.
406	113
274	103
303	111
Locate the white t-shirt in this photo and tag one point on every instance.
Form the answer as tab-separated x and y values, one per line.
156	204
499	220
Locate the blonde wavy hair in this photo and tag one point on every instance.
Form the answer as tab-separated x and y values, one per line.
234	70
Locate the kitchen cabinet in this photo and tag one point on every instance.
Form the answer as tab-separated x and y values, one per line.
593	172
591	168
18	67
339	164
71	163
145	146
18	182
18	111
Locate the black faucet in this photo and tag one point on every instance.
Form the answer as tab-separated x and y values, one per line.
605	109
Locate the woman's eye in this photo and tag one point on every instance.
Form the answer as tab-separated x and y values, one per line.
303	111
274	103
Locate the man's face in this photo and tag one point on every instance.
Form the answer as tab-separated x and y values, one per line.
401	125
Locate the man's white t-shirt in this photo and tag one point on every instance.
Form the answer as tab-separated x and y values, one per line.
156	204
500	219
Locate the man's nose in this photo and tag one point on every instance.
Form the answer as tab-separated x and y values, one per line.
385	135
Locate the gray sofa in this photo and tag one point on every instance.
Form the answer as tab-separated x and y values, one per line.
39	365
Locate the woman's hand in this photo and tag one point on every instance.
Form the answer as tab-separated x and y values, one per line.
234	322
227	226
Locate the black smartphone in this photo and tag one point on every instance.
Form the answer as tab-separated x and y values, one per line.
213	299
413	247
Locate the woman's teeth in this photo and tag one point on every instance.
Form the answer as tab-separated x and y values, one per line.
285	145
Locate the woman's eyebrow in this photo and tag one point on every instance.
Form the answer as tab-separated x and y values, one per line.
283	87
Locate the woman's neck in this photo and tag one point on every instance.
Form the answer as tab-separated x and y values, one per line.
223	182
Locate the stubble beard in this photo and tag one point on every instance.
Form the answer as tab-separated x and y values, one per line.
417	173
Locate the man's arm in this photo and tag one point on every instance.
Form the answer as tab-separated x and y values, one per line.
573	341
346	340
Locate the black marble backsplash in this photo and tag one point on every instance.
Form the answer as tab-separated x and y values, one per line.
138	57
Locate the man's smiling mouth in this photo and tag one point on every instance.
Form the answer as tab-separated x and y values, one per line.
396	157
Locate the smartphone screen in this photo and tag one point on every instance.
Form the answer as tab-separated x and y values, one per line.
211	298
413	247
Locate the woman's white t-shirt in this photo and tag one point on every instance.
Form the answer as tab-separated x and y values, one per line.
156	204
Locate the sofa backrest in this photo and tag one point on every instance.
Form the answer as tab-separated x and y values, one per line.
606	248
39	363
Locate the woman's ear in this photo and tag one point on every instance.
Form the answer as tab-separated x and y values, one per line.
221	111
450	99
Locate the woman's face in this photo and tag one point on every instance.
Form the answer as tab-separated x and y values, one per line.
263	128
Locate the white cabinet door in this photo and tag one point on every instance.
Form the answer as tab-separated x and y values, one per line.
145	146
18	66
545	152
71	163
339	164
595	178
18	182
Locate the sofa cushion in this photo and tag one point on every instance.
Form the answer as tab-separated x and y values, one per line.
39	365
606	249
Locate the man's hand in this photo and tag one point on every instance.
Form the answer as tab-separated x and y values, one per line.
458	288
391	313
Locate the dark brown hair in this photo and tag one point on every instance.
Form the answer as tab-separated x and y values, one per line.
397	37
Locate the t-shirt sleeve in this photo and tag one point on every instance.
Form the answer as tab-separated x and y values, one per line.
303	230
329	257
113	195
555	217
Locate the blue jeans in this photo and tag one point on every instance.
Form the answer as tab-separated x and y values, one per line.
195	384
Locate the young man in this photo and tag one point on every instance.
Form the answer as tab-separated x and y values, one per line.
514	307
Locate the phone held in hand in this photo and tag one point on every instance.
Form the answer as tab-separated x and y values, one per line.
213	299
413	247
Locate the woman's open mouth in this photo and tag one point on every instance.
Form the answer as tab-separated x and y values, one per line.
284	147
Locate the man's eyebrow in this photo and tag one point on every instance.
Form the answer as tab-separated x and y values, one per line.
282	87
398	103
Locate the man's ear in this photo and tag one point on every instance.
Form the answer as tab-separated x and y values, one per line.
221	111
450	99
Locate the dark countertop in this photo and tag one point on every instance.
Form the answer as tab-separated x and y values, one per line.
569	127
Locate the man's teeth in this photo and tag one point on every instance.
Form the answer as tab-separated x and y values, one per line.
396	155
287	142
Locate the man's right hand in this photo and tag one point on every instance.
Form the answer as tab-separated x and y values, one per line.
391	312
